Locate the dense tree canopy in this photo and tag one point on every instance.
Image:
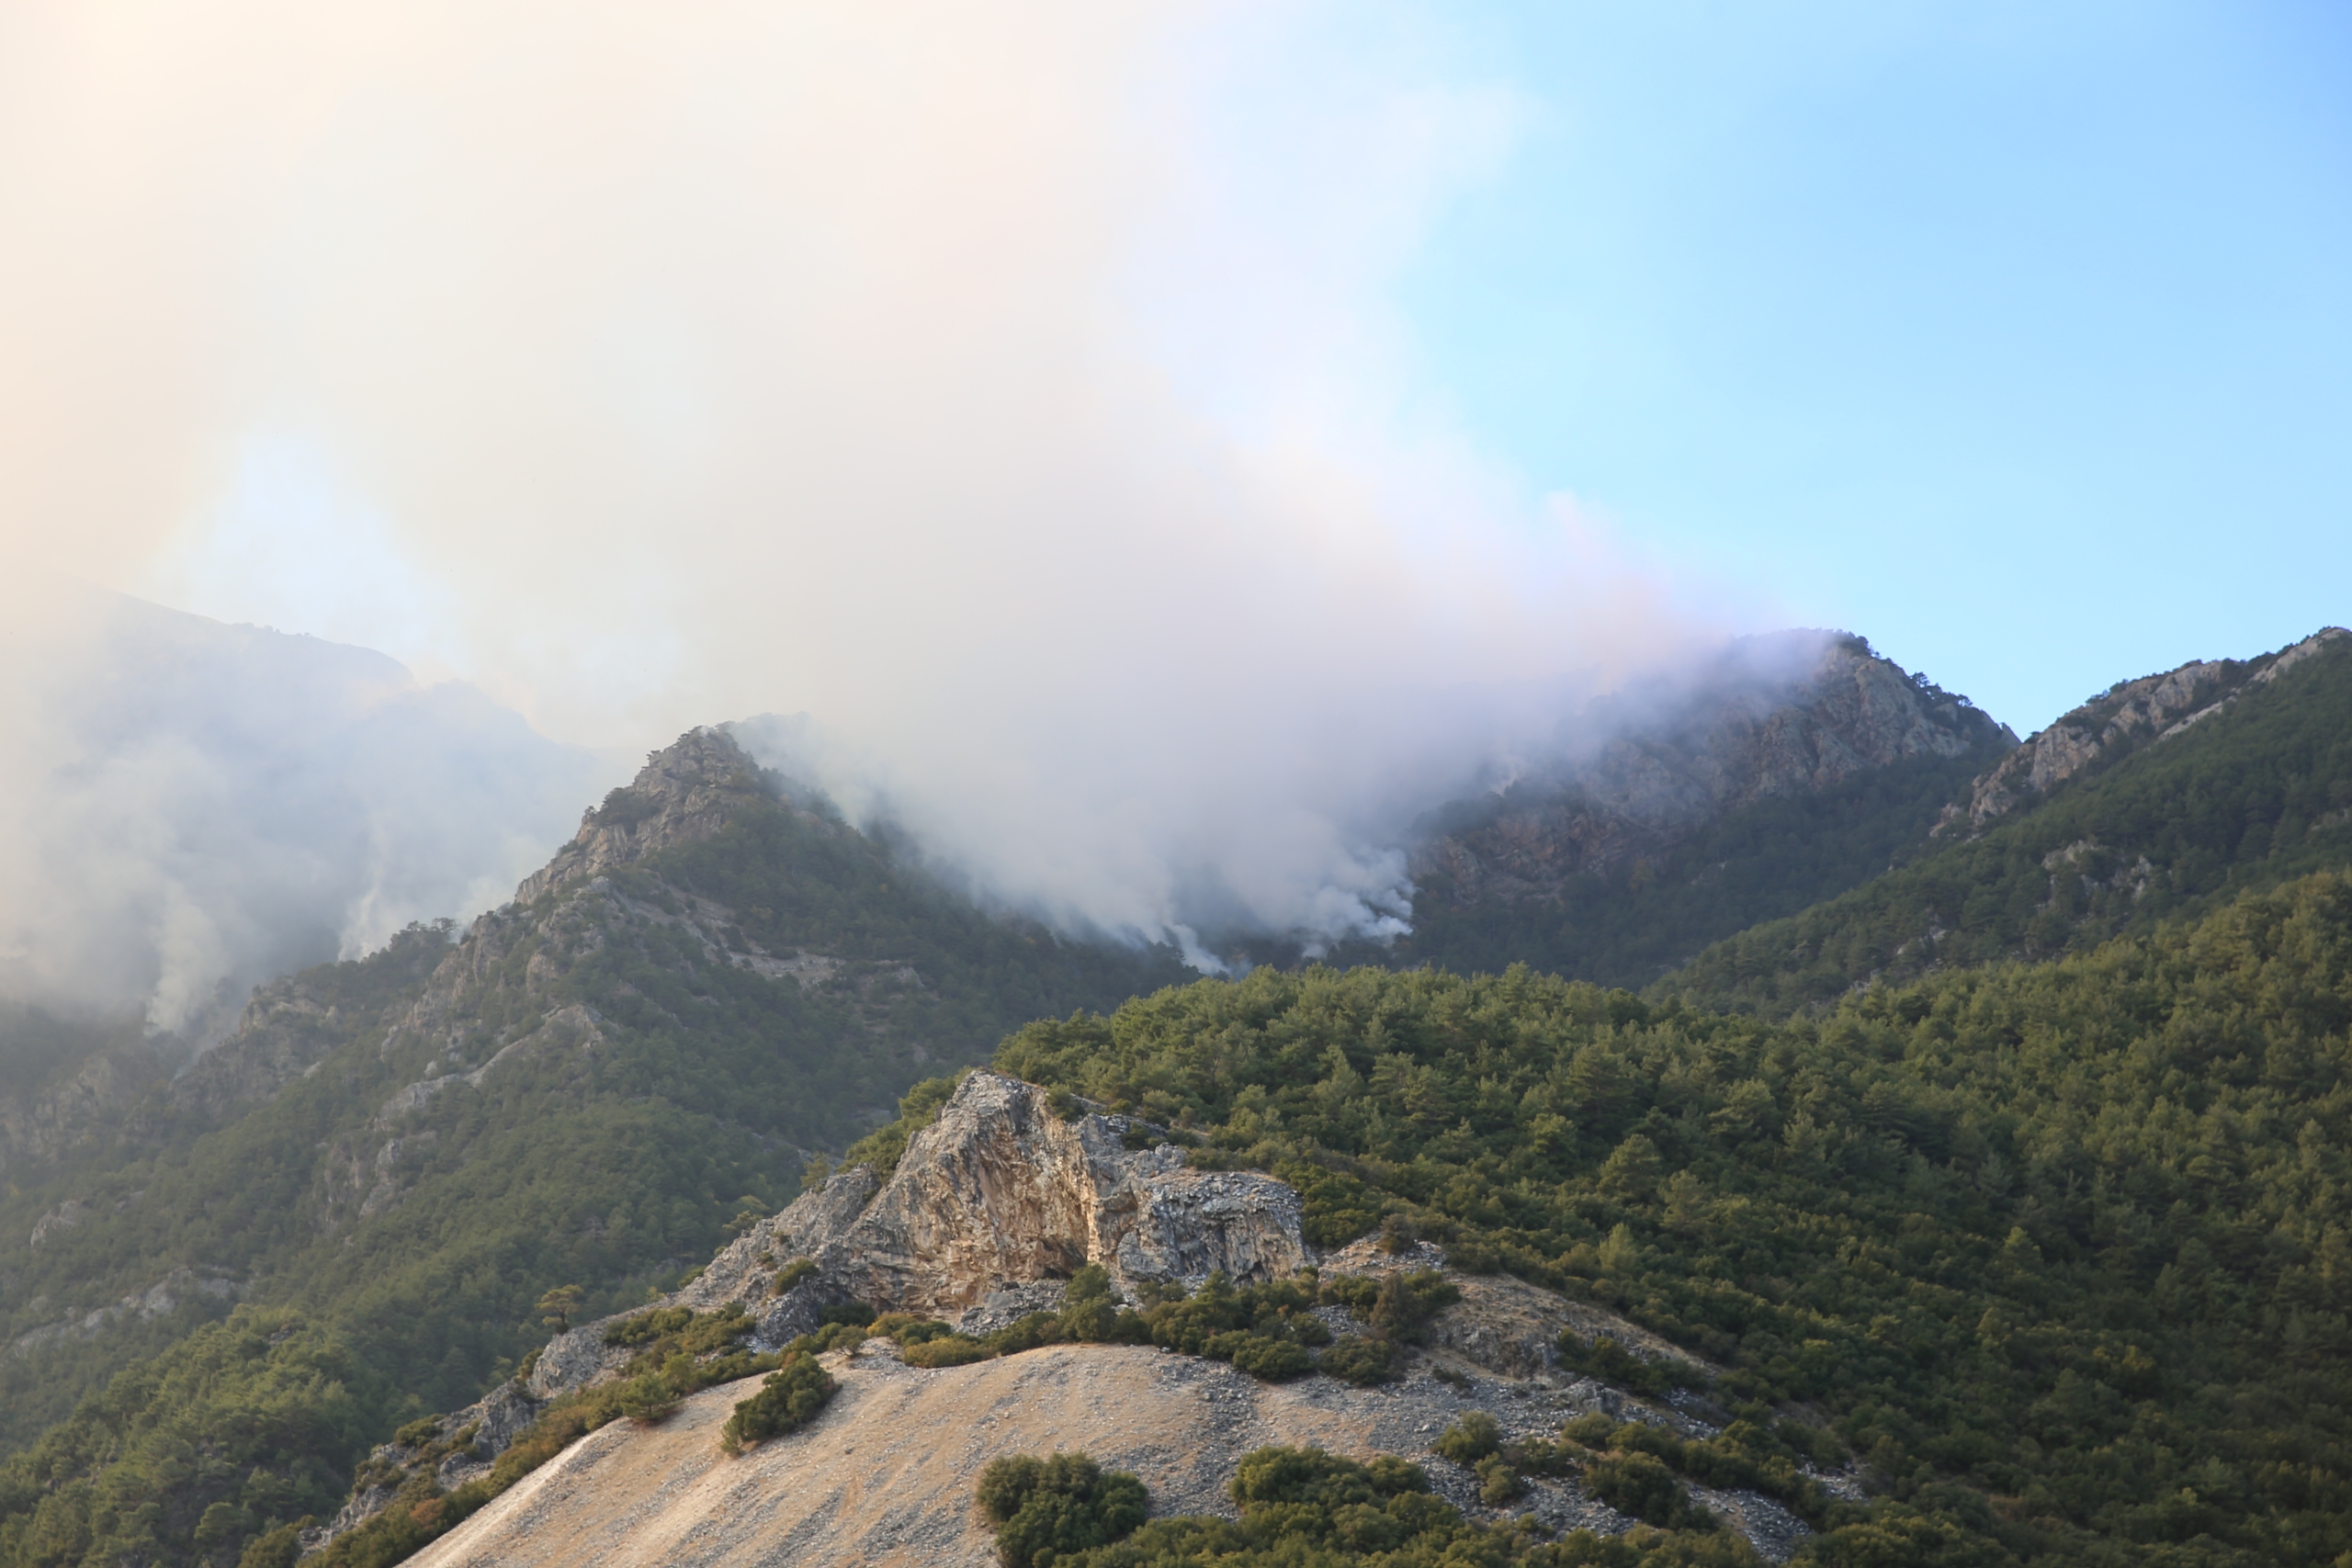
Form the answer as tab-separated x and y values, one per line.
2060	1248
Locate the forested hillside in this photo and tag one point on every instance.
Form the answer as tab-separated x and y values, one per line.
2258	792
2060	1249
2046	1220
587	1089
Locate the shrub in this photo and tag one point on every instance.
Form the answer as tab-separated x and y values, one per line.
280	1548
949	1350
1408	1301
416	1434
1312	1477
1605	1359
645	1327
792	1273
1361	1359
1640	1484
1044	1509
788	1401
907	1329
650	1397
1471	1438
1497	1482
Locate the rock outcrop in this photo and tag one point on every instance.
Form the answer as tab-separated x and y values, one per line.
687	791
999	1190
2120	719
98	1094
286	1029
1783	717
997	1193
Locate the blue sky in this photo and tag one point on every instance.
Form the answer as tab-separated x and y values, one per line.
2018	338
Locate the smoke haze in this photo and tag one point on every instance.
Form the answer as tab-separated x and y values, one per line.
194	807
1011	389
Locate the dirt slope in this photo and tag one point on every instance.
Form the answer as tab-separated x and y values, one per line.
886	1475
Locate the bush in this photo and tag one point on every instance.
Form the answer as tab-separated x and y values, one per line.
645	1327
1640	1484
1261	1356
1470	1440
792	1273
280	1548
1607	1360
1313	1478
907	1329
788	1401
949	1350
650	1397
1497	1482
1362	1360
1048	1509
1407	1302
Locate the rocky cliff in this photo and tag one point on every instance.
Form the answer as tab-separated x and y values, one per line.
995	1198
2120	720
38	1123
1781	717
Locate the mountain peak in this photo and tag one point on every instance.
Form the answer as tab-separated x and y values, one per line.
688	790
1787	716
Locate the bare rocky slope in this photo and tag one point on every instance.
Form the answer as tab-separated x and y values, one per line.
990	1208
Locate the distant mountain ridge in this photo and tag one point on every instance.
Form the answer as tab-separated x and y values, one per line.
2126	716
2151	803
1792	768
1741	735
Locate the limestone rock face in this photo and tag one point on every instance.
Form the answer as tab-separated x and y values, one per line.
993	1200
286	1027
43	1124
1799	716
2131	714
998	1192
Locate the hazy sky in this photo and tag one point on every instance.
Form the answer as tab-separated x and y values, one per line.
2017	336
1154	439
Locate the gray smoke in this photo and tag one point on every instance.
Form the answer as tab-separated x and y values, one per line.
195	807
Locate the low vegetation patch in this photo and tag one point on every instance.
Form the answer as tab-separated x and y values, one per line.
788	1400
1270	1330
1300	1508
1055	1509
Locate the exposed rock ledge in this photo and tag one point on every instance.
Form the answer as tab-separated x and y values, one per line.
997	1193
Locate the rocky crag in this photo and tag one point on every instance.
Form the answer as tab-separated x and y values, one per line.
990	1208
1791	715
2118	721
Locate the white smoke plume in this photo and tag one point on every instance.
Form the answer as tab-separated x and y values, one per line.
195	807
1013	389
